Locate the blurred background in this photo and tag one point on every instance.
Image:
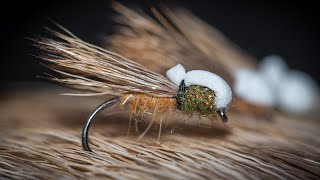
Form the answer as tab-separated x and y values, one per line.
259	27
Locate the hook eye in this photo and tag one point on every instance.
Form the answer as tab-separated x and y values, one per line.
222	115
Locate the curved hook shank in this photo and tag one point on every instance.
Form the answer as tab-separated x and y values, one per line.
86	127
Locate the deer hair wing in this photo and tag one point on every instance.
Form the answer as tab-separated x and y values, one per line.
86	66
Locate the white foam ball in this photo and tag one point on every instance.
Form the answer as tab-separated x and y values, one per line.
273	67
253	87
297	92
176	74
212	81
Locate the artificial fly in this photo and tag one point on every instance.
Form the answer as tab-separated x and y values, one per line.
86	66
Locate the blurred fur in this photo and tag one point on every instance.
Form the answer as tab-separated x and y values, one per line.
41	140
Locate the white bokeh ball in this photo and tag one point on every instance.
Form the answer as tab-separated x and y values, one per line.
275	85
274	68
297	92
253	87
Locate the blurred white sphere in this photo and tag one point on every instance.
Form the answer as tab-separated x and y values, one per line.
297	92
275	85
274	68
253	87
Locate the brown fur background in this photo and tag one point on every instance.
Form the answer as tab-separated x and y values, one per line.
40	139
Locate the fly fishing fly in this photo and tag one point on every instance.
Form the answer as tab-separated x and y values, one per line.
86	66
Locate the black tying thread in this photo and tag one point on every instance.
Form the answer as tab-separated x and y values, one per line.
181	95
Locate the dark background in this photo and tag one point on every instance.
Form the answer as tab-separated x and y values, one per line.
260	27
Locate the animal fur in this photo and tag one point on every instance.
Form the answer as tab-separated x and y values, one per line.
40	139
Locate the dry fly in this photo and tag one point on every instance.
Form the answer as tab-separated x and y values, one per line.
86	66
